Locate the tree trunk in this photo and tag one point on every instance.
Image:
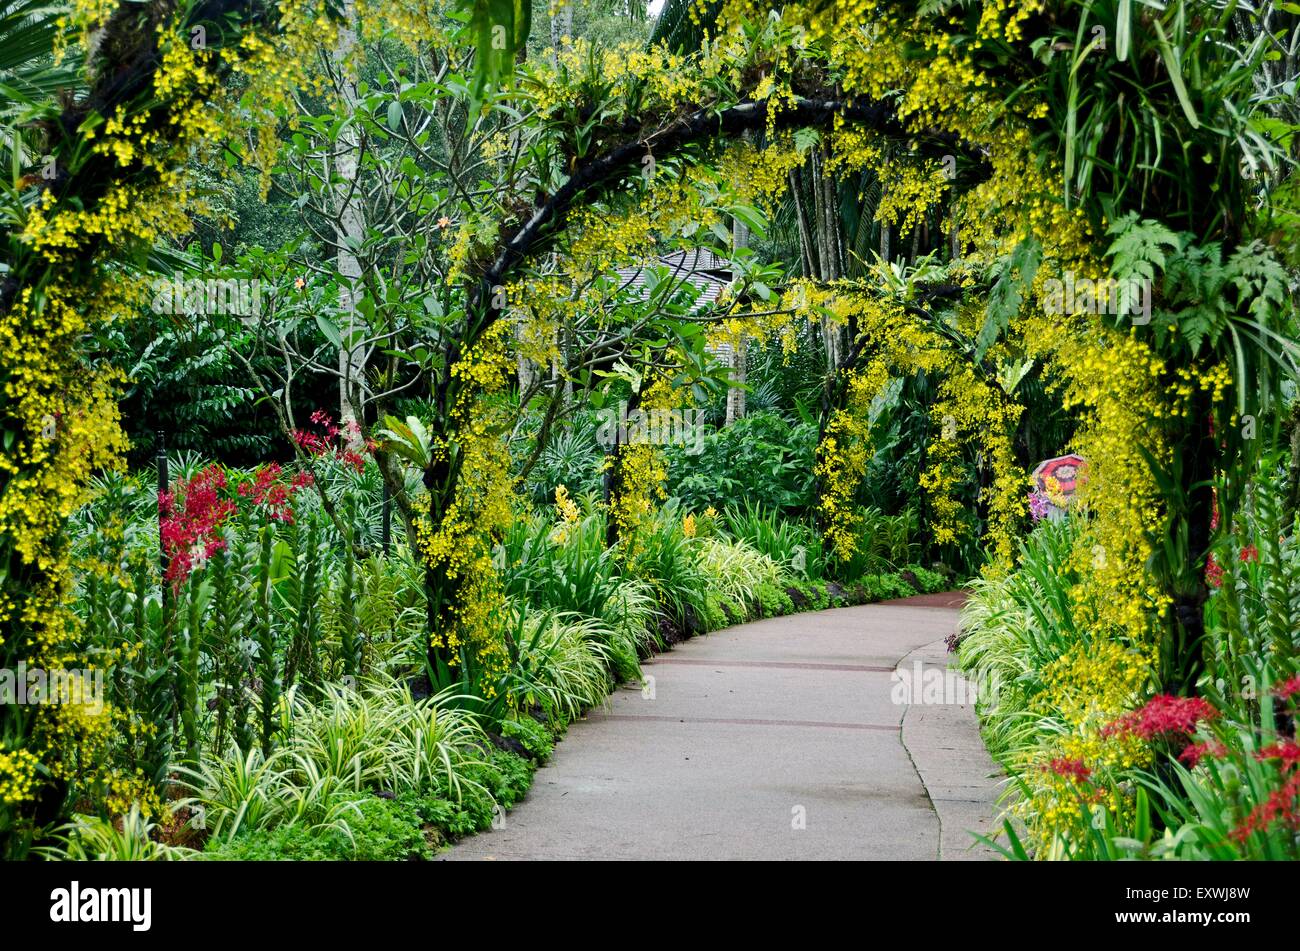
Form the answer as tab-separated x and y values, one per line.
612	481
349	223
807	247
736	393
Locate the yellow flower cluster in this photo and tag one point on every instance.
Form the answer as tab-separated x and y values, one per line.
1088	687
641	474
17	776
459	547
969	409
566	514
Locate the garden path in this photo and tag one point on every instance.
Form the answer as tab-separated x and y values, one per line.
778	739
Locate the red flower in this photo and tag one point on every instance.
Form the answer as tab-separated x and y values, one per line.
1287	751
269	491
1280	805
1288	688
1069	768
1163	715
311	443
1250	553
1195	752
192	514
318	444
1213	572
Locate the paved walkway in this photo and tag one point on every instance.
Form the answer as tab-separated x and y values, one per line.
779	739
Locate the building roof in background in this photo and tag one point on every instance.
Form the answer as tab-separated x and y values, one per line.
697	266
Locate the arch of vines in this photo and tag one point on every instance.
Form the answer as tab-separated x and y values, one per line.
866	73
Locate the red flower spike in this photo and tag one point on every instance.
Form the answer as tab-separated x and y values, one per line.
1195	752
1068	768
1288	688
1280	805
1287	751
193	513
1163	715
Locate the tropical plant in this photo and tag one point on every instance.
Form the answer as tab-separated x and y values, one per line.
92	839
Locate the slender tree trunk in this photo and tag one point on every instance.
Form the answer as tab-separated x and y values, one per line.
349	223
834	237
807	247
612	481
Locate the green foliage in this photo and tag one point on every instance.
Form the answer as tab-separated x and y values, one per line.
794	546
666	560
534	736
884	587
761	458
885	543
736	572
559	661
575	573
1256	609
1014	277
375	830
1014	627
503	775
810	596
772	600
184	380
924	580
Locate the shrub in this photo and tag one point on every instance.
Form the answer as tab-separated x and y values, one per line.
533	736
375	829
560	662
772	600
94	839
735	570
761	457
884	587
662	556
794	546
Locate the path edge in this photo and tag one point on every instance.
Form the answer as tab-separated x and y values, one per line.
960	778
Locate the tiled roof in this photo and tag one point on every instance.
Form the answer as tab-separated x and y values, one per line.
701	268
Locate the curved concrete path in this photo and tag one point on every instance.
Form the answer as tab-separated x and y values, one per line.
780	739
